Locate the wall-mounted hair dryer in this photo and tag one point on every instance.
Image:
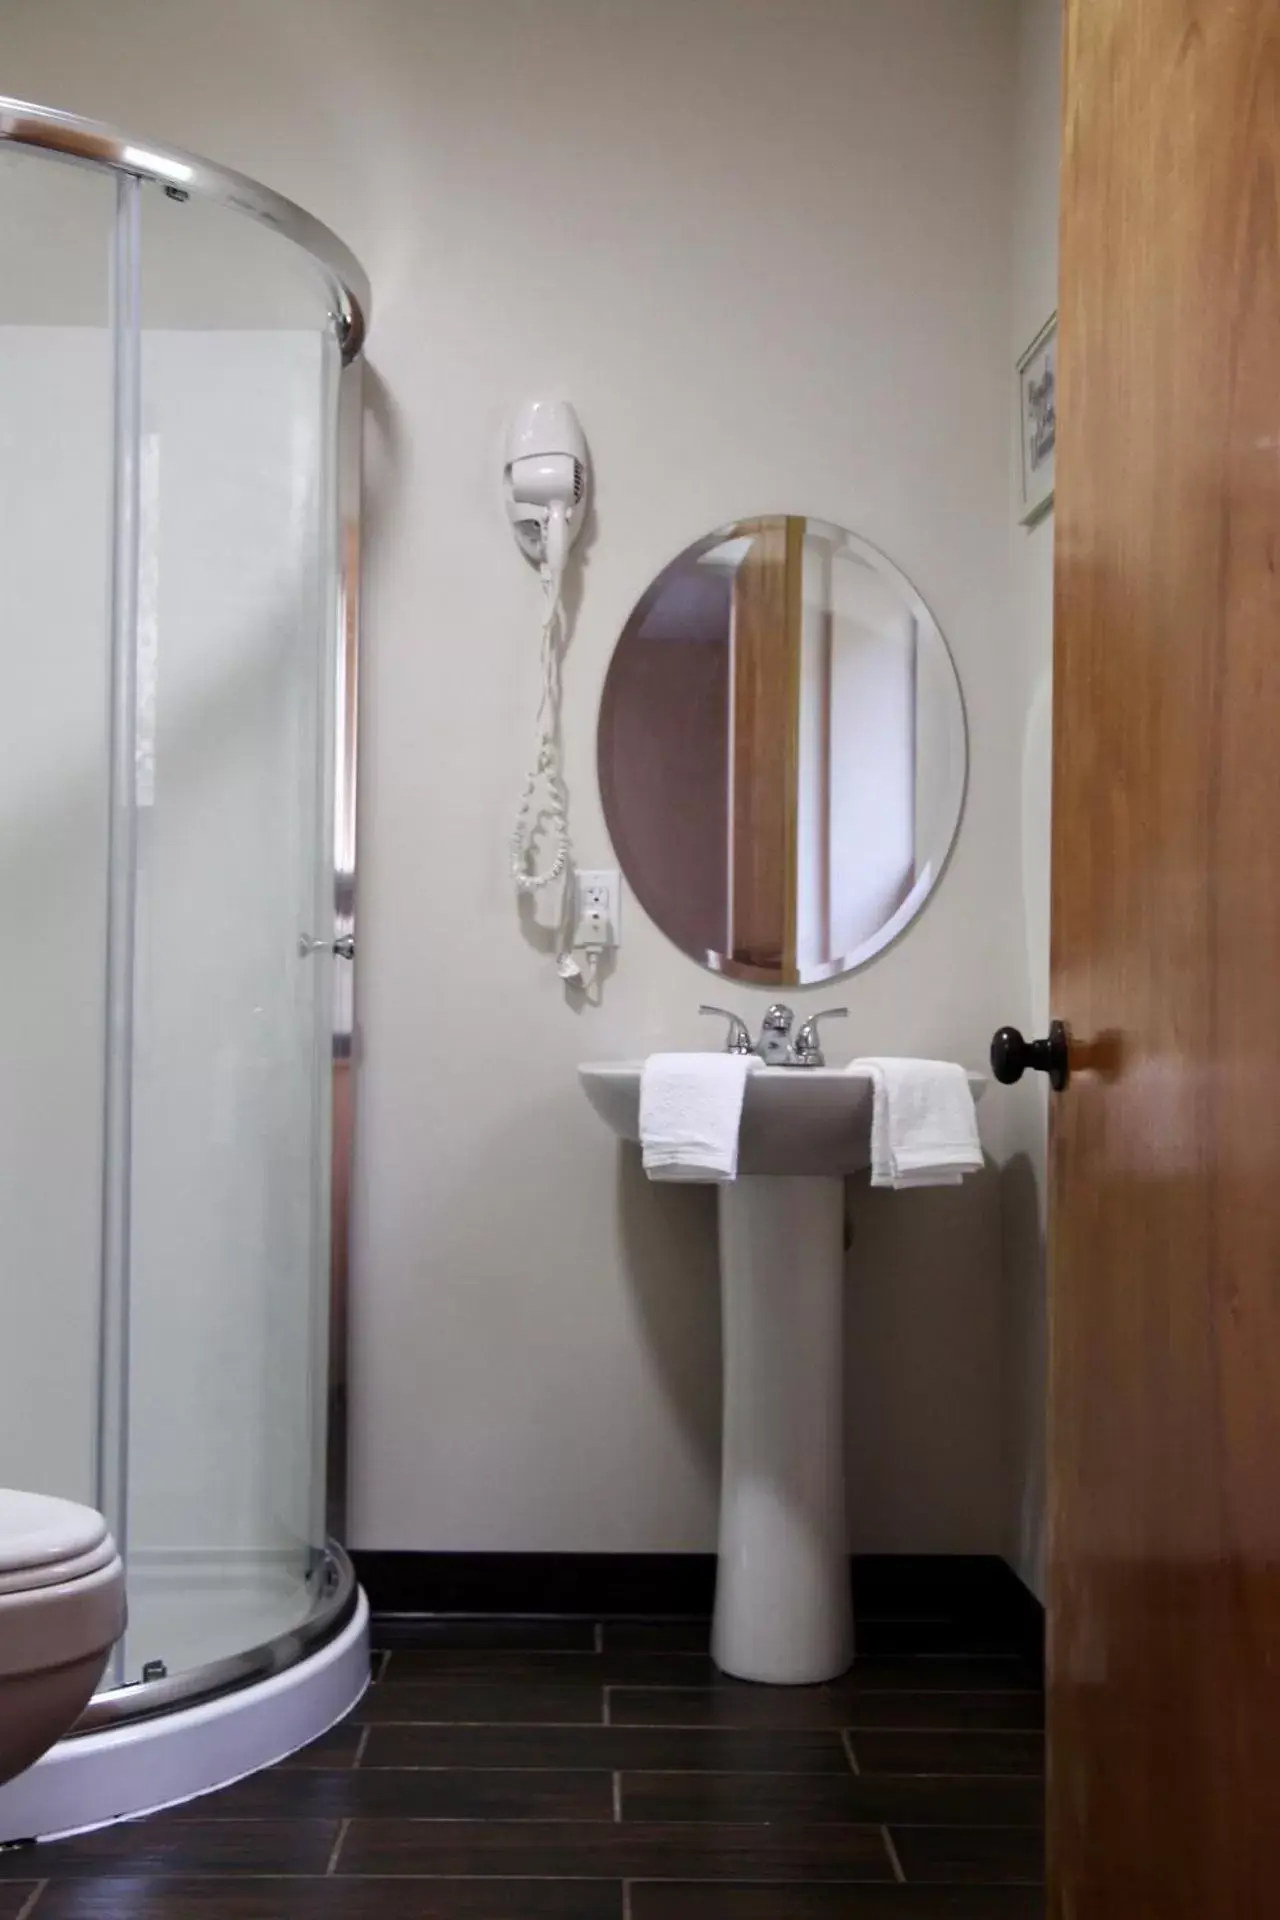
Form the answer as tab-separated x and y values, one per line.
545	481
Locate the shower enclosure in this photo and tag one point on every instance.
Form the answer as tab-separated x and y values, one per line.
179	475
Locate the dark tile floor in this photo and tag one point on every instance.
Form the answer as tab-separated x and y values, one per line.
562	1770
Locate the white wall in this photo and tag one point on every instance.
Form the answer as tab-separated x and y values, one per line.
766	250
1035	282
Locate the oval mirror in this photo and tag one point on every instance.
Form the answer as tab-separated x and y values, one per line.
782	751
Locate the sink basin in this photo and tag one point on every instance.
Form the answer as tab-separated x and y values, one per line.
783	1608
811	1120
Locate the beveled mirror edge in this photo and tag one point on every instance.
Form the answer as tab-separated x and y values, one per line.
901	921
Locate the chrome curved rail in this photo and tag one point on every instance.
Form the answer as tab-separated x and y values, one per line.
335	1603
24	124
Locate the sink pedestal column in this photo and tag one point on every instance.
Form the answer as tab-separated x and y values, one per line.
783	1608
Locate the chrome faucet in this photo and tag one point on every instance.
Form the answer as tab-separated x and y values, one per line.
775	1046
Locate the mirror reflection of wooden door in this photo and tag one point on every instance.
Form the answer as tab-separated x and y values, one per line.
1164	1583
768	593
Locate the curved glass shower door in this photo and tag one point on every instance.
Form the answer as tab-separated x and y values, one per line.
168	624
232	1013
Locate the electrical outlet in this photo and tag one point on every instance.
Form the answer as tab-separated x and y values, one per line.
598	914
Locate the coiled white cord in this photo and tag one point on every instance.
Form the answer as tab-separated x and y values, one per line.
551	804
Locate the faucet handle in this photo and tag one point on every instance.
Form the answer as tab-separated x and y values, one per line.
808	1049
738	1040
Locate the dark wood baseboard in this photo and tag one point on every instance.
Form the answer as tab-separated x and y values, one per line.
588	1584
594	1585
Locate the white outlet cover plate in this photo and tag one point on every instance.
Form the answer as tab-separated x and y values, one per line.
598	888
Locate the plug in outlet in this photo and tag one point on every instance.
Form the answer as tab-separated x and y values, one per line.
598	908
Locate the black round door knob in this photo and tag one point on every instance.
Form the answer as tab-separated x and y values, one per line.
1011	1055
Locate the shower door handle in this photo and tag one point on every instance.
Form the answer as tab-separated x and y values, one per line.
344	947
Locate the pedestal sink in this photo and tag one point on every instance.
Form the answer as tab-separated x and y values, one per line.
783	1605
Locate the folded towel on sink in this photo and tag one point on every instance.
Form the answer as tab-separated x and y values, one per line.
690	1114
924	1131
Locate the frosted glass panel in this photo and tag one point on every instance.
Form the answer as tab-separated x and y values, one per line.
230	1252
55	518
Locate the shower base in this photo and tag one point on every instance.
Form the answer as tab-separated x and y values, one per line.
186	1612
144	1765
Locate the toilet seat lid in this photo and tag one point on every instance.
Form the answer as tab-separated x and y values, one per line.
37	1530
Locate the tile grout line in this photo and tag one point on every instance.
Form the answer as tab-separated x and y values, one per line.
676	1773
578	1727
332	1863
361	1744
617	1795
846	1738
894	1861
28	1906
599	1636
748	1728
714	1683
605	1709
383	1664
626	1900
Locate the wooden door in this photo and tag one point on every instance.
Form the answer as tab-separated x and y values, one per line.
1165	1258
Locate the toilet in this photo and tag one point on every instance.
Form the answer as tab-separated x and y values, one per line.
62	1609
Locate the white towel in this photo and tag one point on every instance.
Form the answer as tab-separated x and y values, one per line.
690	1113
924	1131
